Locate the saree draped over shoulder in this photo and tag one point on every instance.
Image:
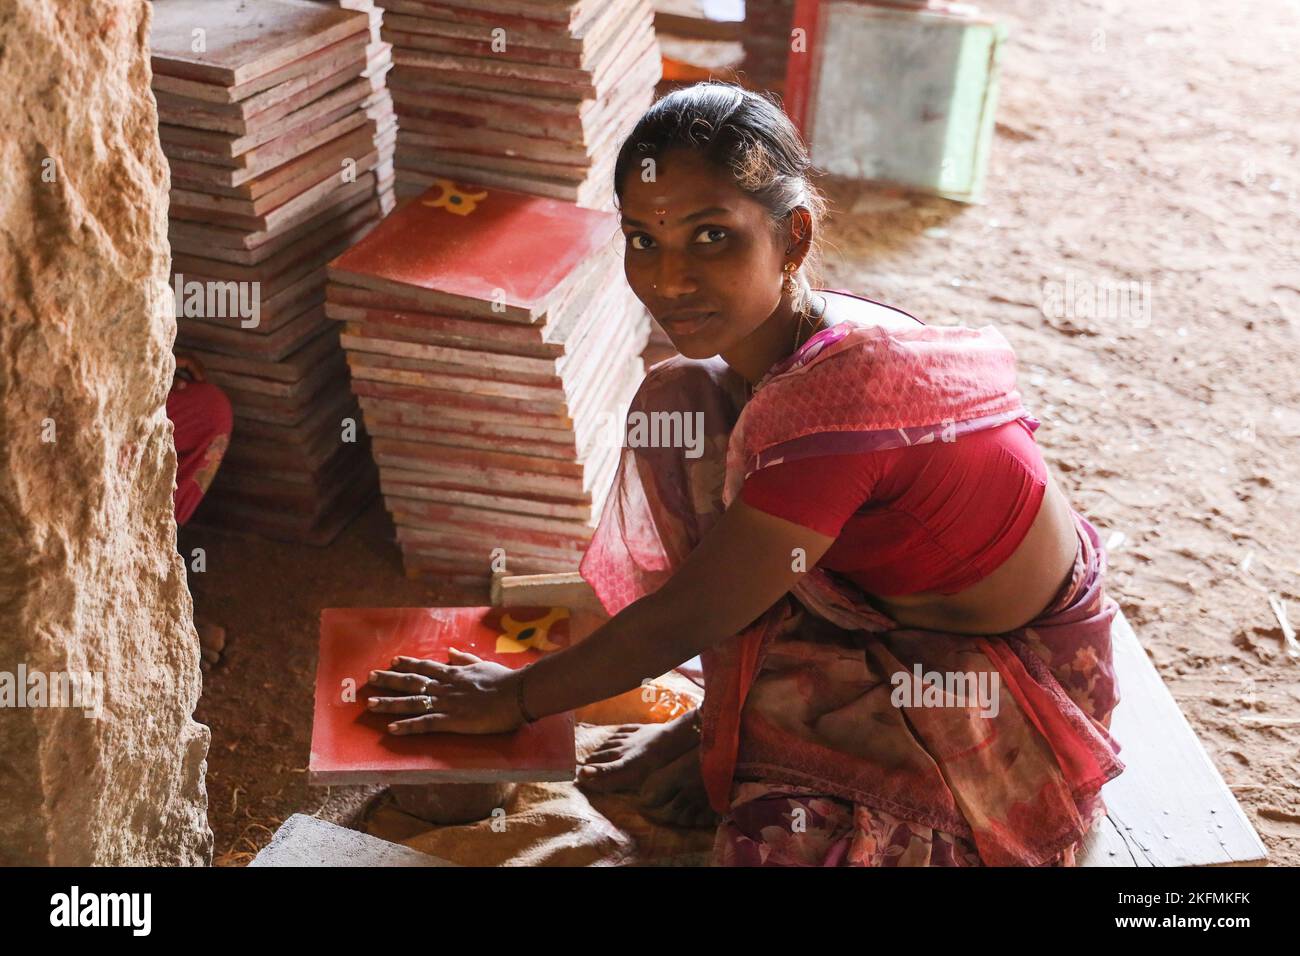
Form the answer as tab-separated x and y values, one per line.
803	708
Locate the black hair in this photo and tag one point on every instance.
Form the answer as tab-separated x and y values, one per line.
746	133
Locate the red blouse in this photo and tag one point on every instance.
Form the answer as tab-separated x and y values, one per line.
932	517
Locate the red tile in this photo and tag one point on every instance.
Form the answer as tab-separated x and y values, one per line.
350	745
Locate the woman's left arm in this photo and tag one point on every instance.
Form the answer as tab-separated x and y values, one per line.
745	563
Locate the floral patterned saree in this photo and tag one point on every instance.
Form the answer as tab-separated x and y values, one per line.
803	750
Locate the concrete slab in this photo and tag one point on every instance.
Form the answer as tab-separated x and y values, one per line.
307	841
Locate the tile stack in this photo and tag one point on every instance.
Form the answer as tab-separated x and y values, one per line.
273	134
528	95
767	42
379	105
494	346
700	40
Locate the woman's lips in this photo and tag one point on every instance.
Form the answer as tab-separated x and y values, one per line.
688	326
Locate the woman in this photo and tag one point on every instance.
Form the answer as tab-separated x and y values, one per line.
202	420
870	516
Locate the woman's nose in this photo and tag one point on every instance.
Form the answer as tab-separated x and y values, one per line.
675	278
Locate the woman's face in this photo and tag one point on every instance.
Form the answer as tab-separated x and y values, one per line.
701	254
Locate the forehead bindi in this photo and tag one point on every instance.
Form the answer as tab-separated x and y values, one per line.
669	215
682	192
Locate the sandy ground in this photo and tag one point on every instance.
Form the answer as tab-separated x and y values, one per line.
1132	147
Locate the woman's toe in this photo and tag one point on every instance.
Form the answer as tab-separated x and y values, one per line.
604	777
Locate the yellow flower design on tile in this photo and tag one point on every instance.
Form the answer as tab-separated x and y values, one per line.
519	636
453	199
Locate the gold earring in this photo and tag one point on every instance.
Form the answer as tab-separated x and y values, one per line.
788	283
791	287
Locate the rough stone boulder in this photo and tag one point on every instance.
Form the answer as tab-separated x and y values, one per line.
90	581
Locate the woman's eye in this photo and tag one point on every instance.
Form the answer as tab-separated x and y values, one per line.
640	241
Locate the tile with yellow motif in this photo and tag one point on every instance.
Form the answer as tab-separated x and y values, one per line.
468	249
349	744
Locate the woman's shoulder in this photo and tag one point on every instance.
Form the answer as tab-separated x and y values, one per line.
844	306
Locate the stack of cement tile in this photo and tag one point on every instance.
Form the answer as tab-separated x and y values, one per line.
379	105
494	345
700	40
767	41
528	95
273	133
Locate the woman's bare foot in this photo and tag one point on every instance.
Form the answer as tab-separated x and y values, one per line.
675	794
634	751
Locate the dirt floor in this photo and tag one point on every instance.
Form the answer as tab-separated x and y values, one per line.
1132	146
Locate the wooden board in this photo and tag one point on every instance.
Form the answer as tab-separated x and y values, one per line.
242	39
231	340
338	196
274	408
278	525
593	192
468	40
428	328
1170	806
394	481
326	416
501	74
303	489
270	214
316	351
300	171
319	63
264	160
430	107
563	17
343	56
198	114
349	745
354	211
179	143
489	437
228	149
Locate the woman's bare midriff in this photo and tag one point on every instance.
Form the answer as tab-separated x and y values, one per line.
1021	587
1015	593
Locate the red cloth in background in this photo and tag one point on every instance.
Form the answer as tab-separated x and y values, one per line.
937	516
201	421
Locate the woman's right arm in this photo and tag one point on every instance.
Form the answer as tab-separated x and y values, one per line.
745	563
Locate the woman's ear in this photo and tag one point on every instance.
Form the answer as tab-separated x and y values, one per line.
801	230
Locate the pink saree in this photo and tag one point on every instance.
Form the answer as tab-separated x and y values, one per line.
802	750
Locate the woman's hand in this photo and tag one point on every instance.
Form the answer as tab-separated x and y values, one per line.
466	696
